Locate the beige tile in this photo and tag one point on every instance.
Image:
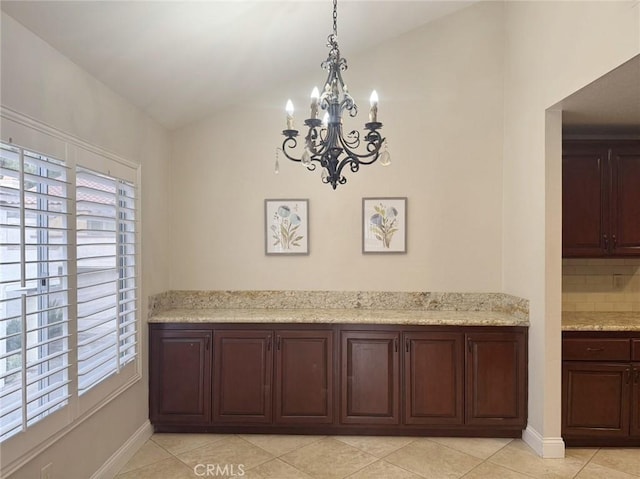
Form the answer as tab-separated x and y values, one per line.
177	443
328	458
378	446
232	451
518	457
383	470
486	470
170	468
625	460
481	448
583	454
594	471
149	453
432	460
277	444
275	469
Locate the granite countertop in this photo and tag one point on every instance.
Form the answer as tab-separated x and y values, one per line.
338	316
601	321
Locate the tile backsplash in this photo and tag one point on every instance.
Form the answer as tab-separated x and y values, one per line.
601	284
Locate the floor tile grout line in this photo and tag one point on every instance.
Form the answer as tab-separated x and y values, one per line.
344	444
586	463
459	451
145	465
413	439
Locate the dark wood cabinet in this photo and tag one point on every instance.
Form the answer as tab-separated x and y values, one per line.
242	376
304	377
625	193
247	390
600	198
583	414
600	389
635	402
495	379
180	384
338	379
370	377
433	378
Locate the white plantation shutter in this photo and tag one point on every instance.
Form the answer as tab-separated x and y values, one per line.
106	272
69	233
34	288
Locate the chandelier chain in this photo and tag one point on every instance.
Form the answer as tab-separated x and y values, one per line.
335	17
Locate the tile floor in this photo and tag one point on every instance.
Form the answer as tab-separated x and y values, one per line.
187	456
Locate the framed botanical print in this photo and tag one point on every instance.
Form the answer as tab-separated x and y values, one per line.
286	227
384	225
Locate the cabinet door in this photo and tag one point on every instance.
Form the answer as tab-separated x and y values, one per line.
370	377
496	381
585	192
635	400
433	378
304	377
595	399
243	367
180	376
625	205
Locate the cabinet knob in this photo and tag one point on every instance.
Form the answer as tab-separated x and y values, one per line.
606	241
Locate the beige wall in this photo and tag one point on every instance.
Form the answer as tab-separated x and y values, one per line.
552	50
440	93
42	84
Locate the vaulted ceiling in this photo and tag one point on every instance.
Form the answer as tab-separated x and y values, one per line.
181	60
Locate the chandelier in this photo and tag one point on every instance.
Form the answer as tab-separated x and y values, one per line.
325	143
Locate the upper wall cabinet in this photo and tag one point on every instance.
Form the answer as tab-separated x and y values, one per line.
600	198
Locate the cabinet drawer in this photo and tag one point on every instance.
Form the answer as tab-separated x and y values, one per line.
596	349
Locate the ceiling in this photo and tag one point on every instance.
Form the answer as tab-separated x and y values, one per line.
610	104
180	60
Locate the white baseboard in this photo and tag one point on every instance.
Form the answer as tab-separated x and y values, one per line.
118	460
546	447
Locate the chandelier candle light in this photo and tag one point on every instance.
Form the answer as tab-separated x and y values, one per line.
325	142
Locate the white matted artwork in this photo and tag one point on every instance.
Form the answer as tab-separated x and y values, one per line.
286	227
384	225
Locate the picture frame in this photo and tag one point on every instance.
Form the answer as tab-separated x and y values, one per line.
384	225
286	226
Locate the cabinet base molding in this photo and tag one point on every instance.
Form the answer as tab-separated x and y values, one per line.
602	442
463	431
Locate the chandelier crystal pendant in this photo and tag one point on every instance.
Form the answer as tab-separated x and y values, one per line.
325	143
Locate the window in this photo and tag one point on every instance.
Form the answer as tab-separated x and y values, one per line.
34	285
105	233
68	286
